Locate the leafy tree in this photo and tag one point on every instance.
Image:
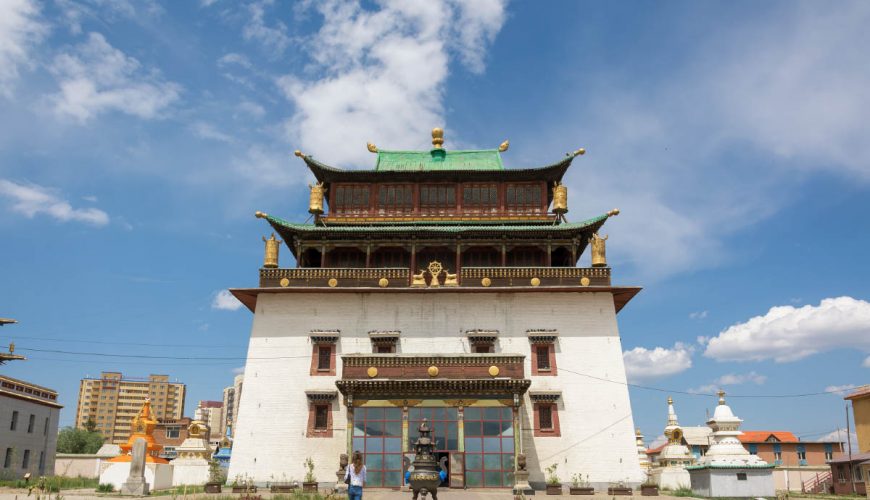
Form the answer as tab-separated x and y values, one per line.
81	441
90	425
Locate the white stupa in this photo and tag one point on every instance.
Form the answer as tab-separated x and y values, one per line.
728	469
675	456
642	457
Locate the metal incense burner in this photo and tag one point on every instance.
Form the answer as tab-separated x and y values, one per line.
425	477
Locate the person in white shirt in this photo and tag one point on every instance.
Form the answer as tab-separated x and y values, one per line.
355	477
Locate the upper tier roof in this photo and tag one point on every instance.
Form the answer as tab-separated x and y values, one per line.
438	159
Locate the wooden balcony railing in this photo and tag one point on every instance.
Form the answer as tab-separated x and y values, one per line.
400	277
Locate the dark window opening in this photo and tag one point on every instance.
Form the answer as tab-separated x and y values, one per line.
483	348
481	257
480	197
14	421
438	198
25	462
385	349
543	354
351	199
324	355
395	198
391	257
321	417
30	423
346	257
545	417
526	257
523	198
741	476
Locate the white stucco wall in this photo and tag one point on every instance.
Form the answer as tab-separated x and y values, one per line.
723	483
597	428
40	440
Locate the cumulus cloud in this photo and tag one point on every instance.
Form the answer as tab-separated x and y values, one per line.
274	38
730	379
20	30
840	436
788	333
205	130
32	200
642	364
95	77
840	389
658	441
225	301
382	73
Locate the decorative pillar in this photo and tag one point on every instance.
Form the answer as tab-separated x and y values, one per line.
368	255
518	438
405	432
503	255
323	255
348	401
460	427
458	257
413	262
549	253
298	245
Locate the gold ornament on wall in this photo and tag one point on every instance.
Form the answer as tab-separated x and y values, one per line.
284	282
535	281
432	371
486	282
372	372
584	281
493	371
332	282
383	282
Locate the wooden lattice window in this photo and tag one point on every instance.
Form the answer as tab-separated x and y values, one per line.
480	197
543	354
324	353
351	199
545	417
321	417
437	197
396	198
523	198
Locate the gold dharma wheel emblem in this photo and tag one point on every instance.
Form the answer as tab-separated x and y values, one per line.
383	282
535	281
284	282
585	281
432	371
493	371
372	372
486	282
332	282
435	268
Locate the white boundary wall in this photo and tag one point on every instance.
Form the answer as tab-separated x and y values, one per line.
597	428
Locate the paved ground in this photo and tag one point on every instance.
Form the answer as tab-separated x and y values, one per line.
370	494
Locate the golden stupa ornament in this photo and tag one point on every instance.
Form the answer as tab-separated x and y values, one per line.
315	203
599	257
504	146
437	138
270	258
560	198
371	147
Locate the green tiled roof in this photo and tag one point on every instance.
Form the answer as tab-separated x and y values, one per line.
279	224
438	159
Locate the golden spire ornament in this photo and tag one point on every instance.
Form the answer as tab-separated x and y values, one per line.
437	138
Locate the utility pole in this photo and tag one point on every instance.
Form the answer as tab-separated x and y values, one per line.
849	446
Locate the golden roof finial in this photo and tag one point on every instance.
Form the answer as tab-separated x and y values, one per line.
437	137
613	212
580	152
260	215
11	347
670	400
371	147
504	146
298	153
721	394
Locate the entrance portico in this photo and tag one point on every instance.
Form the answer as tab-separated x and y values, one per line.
472	402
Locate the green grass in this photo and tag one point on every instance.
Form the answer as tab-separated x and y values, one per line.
180	490
682	492
53	483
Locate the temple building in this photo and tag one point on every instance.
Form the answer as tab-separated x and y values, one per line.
438	285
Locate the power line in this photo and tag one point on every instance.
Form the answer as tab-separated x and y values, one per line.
87	341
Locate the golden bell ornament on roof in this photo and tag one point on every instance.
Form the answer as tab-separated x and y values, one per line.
599	254
560	199
315	203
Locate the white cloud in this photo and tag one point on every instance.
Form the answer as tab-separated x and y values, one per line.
788	333
840	389
273	38
648	364
225	301
239	370
382	74
251	108
730	379
33	199
20	30
698	315
840	435
95	78
104	11
205	130
232	58
658	441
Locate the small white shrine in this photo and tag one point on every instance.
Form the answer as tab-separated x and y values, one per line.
191	467
642	457
671	473
728	469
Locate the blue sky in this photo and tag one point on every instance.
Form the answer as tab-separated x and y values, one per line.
138	138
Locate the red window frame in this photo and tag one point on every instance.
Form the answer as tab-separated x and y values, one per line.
437	198
315	360
551	352
554	429
524	198
480	198
395	198
313	430
351	198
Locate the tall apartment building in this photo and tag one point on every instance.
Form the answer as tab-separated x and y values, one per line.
112	401
211	412
232	396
